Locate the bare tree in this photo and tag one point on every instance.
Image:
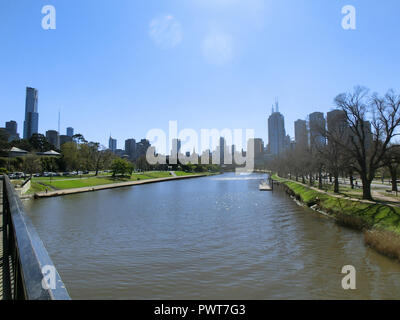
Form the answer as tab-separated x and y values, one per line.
333	154
372	123
392	161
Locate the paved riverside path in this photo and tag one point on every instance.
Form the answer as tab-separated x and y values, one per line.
112	186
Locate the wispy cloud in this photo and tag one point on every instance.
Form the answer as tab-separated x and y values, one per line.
218	48
166	31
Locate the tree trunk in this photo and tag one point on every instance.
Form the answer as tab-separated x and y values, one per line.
366	188
352	181
393	174
336	185
303	179
320	180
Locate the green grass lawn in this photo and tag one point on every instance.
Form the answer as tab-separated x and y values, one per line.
47	179
63	183
36	187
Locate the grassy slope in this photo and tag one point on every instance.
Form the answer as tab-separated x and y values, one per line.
373	215
36	187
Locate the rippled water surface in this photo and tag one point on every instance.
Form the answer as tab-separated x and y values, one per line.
207	238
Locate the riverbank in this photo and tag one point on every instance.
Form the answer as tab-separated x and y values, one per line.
57	193
379	222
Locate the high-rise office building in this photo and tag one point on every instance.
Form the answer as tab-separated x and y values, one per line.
301	134
112	144
276	132
176	147
222	145
11	128
258	149
317	125
337	125
53	138
223	152
31	123
142	147
130	148
367	134
70	132
64	139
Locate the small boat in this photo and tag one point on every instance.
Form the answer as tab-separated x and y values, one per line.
264	186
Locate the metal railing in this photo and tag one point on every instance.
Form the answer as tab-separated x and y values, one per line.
28	272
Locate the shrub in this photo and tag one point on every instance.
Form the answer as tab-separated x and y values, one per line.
3	170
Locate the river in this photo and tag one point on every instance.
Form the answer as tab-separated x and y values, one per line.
206	238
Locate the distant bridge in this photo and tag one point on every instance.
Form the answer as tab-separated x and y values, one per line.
26	270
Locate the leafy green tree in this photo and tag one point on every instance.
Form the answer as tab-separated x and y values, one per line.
142	164
4	145
78	138
70	155
104	159
49	164
121	167
22	144
40	143
32	164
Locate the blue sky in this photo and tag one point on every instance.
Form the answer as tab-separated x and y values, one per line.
113	67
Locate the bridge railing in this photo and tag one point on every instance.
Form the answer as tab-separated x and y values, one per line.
29	274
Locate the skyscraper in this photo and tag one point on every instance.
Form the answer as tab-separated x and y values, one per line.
142	147
70	132
301	134
276	132
112	144
11	128
317	130
337	125
64	139
176	147
130	148
222	146
53	138
31	123
258	145
366	132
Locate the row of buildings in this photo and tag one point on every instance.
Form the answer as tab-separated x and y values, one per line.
312	133
309	133
133	150
223	153
31	123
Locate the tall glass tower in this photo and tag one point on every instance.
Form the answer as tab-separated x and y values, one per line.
276	132
31	123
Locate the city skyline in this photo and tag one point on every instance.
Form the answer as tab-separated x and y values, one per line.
69	131
109	81
307	133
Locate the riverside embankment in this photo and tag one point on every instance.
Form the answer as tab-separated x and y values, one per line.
57	193
380	222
